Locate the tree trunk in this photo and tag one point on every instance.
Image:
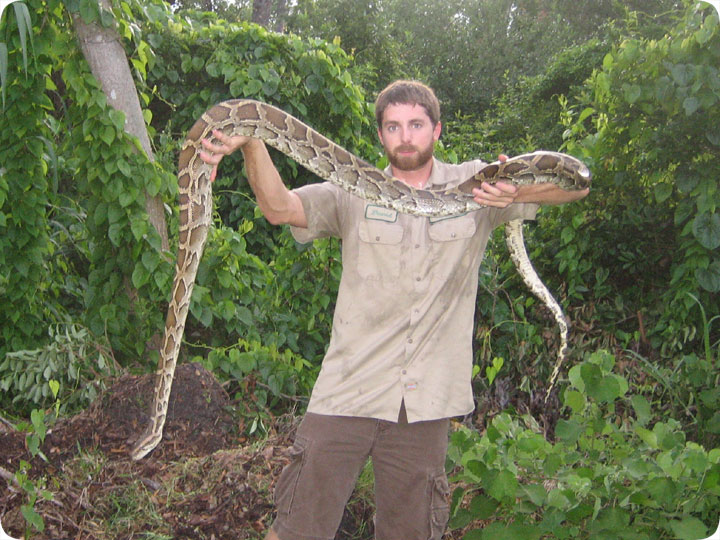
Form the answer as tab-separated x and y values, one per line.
261	12
281	12
109	64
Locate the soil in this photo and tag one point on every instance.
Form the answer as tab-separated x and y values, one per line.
205	480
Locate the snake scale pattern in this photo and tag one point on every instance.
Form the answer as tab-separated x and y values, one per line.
335	164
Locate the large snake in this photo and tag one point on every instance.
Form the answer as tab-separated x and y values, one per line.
335	164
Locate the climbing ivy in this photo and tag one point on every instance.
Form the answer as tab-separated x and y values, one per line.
27	281
77	247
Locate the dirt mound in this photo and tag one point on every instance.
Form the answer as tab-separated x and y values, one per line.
186	488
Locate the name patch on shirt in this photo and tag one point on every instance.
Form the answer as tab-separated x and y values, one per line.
378	213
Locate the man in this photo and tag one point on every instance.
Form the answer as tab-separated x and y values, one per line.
399	361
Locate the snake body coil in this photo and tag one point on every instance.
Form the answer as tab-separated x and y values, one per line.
335	164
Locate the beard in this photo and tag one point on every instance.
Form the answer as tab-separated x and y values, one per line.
409	163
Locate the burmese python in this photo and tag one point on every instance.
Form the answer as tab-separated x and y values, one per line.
326	159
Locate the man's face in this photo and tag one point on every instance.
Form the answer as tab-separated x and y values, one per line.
408	136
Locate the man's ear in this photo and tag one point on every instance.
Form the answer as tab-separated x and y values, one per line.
437	130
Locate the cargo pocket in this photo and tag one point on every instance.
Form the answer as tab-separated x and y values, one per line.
439	505
287	483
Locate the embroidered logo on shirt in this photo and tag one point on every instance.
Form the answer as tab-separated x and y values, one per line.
378	213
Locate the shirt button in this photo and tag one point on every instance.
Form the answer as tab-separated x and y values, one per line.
417	246
418	278
377	238
404	371
410	340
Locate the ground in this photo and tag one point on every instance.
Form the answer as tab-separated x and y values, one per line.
204	481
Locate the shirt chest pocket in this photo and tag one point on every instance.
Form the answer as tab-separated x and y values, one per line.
451	250
451	229
379	250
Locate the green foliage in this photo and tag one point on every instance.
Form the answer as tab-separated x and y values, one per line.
264	379
647	131
627	256
76	245
688	387
469	51
26	281
34	488
607	475
24	28
72	360
268	303
112	176
216	60
252	280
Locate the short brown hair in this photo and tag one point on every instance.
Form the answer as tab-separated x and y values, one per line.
407	92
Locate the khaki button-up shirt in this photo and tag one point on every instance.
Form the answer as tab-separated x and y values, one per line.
403	322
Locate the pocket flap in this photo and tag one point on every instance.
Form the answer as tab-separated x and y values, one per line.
452	229
380	233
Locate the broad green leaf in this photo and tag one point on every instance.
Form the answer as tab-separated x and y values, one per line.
575	400
557	499
568	431
575	377
115	234
567	235
642	409
124	167
713	137
118	119
689	528
89	11
536	493
691	104
482	507
631	92
706	228
475	534
662	192
681	73
139	227
140	276
32	517
709	278
686	180
647	436
504	486
107	135
37	417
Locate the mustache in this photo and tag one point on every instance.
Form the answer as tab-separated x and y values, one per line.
406	148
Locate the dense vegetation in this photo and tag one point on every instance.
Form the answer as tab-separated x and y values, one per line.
84	279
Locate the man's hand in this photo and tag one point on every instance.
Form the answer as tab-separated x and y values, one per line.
215	152
499	195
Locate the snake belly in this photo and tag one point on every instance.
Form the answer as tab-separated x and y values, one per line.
333	163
